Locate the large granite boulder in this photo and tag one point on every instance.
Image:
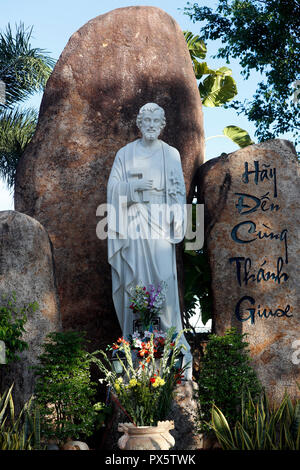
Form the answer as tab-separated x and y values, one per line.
27	269
252	212
110	67
252	217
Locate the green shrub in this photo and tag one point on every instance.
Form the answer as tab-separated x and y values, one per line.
260	426
64	390
12	321
225	373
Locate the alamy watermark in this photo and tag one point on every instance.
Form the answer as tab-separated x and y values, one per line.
296	353
2	92
296	94
152	221
2	353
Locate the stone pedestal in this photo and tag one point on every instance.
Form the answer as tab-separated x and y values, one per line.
184	414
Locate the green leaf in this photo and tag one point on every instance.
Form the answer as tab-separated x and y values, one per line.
4	402
196	46
217	89
238	437
201	68
248	443
260	428
220	424
225	71
238	135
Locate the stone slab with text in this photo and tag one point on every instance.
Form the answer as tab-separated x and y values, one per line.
252	217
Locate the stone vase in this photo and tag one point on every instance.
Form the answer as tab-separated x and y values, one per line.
146	437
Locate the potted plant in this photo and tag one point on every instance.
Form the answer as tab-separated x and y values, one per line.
145	390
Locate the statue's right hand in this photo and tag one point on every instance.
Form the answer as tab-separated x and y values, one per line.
142	184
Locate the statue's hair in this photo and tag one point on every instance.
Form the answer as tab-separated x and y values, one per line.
150	107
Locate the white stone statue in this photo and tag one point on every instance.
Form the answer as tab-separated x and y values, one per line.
146	180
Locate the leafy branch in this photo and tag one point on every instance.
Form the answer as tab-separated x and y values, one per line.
216	87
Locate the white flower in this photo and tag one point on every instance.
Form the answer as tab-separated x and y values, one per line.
137	343
136	335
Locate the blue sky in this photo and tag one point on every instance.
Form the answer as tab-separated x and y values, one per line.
54	22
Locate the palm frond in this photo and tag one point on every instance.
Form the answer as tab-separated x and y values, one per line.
23	69
16	130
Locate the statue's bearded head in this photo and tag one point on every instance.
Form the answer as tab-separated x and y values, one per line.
151	121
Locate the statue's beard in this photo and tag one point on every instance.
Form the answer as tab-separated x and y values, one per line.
152	135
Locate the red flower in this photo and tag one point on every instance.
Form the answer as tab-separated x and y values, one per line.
122	340
179	376
152	380
143	352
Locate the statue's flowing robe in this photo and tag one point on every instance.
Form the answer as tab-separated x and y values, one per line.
139	258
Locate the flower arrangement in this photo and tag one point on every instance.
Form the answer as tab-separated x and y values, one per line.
142	344
147	303
146	390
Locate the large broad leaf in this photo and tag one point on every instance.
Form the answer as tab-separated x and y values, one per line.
217	89
201	68
224	71
238	136
196	46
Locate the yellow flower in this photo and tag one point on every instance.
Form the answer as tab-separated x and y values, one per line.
159	382
118	383
132	383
